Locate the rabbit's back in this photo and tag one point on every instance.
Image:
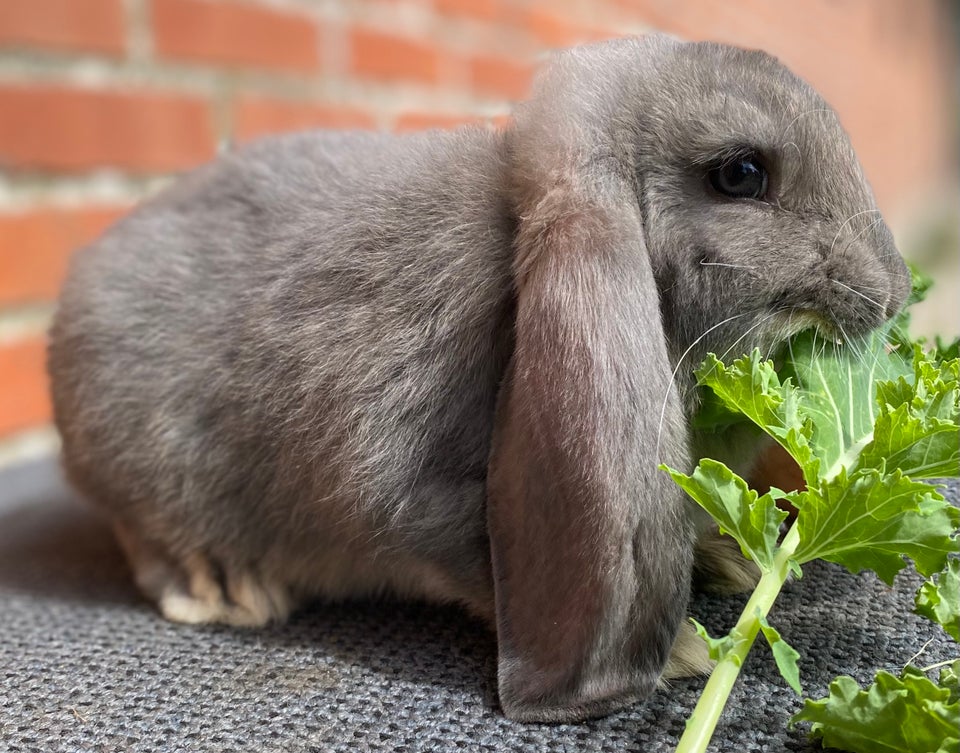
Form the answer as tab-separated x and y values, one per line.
296	347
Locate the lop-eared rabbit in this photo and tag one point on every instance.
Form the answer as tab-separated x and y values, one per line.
447	365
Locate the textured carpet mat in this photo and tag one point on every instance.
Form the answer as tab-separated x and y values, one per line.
86	665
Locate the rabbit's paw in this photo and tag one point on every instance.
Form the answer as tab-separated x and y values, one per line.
720	566
689	656
196	590
235	598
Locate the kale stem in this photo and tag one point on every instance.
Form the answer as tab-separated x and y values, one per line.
703	720
939	664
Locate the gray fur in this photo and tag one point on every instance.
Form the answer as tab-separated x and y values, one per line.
296	360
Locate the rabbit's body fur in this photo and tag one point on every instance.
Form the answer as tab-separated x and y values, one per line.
338	383
447	365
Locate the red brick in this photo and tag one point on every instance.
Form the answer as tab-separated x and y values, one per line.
95	25
386	57
484	10
419	121
257	116
551	29
235	34
501	77
24	401
60	128
35	247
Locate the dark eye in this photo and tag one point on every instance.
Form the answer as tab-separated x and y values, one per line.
741	178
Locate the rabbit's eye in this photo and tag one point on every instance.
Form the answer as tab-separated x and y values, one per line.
741	178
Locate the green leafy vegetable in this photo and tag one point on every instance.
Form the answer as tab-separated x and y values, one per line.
751	387
837	394
939	599
718	648
753	520
906	714
785	655
864	426
870	521
950	679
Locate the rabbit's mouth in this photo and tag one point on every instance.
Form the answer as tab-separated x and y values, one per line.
790	322
827	328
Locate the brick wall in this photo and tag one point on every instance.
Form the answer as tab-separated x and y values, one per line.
100	100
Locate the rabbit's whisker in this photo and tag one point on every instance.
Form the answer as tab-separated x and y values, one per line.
784	332
847	222
852	345
858	293
802	115
859	235
790	342
760	323
725	264
871	288
799	153
671	384
787	331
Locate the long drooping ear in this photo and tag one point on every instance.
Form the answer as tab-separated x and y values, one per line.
591	546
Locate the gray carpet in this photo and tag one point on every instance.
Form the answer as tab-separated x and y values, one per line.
85	665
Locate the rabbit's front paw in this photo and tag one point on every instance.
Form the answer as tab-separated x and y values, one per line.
195	590
236	598
689	656
721	568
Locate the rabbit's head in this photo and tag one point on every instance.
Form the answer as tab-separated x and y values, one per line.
756	208
755	213
673	199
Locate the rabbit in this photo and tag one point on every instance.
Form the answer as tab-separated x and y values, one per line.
446	365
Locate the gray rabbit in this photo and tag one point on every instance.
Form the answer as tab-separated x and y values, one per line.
447	365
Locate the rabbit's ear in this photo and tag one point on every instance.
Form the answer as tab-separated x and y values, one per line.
591	546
